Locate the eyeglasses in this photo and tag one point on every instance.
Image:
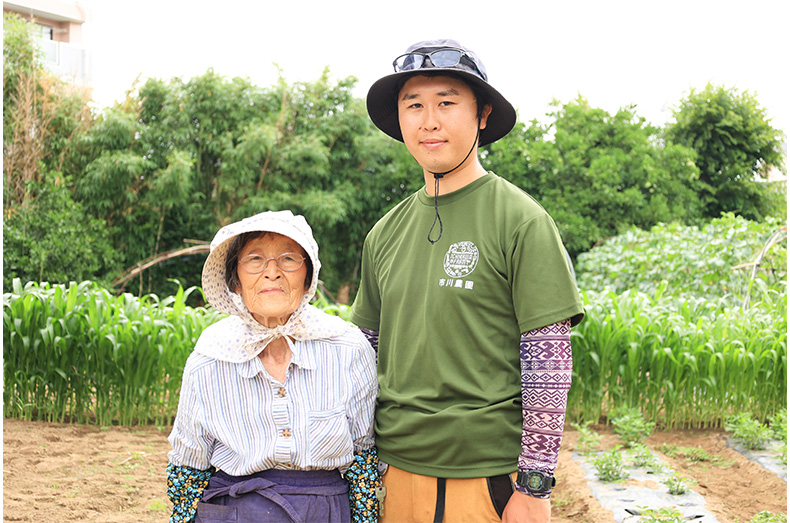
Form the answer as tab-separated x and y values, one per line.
255	263
447	57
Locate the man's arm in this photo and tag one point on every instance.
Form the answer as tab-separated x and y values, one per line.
546	366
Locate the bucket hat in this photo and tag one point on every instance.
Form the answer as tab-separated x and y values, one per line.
382	96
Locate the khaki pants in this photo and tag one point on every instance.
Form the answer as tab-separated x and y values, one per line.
411	498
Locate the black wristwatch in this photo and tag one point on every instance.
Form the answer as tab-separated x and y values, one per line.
536	481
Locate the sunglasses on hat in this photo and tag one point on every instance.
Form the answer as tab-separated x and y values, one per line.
447	57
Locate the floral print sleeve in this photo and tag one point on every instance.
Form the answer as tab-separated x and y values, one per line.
363	478
185	487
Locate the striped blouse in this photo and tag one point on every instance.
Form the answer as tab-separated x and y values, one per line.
237	418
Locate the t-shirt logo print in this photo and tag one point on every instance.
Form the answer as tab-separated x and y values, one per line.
461	259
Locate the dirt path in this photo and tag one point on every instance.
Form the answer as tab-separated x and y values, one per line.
71	473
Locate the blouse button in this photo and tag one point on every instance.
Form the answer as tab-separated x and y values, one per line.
286	433
281	392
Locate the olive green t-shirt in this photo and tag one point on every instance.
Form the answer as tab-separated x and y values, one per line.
450	316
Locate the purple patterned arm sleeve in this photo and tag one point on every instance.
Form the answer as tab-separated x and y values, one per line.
372	337
546	365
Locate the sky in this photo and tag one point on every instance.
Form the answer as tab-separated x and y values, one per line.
614	53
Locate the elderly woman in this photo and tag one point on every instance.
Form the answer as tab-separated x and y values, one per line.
275	418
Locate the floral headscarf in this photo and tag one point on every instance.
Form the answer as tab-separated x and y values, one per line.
243	337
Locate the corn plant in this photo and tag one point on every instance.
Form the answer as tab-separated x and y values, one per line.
687	361
77	353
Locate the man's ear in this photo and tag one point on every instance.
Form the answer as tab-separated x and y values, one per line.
484	115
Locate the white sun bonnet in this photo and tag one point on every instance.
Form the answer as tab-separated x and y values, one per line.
240	337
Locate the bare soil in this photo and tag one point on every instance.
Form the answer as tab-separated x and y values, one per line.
73	473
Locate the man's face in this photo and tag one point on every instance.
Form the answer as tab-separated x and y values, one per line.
438	120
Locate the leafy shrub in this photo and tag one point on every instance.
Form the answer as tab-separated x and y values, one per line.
643	457
631	426
588	439
609	466
778	424
768	517
692	260
748	431
661	515
678	485
51	239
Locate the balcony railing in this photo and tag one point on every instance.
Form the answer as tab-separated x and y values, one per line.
70	61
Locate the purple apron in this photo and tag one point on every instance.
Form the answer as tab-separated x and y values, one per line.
277	496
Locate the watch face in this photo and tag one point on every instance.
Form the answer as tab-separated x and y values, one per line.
534	481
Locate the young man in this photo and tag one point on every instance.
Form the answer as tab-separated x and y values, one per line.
472	323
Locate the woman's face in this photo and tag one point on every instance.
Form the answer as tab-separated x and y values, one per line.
274	294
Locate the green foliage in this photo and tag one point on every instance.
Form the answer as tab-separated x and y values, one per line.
677	484
685	361
661	515
588	439
735	143
50	239
20	49
710	261
41	114
693	455
768	517
631	426
180	159
748	431
609	466
778	424
643	457
76	353
598	174
666	327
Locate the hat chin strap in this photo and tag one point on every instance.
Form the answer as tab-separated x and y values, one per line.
437	177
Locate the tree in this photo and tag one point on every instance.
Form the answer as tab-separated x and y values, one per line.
51	239
41	114
735	144
597	174
177	160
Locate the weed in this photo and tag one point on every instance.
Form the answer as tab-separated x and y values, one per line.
560	502
609	466
693	454
157	506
